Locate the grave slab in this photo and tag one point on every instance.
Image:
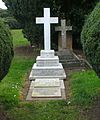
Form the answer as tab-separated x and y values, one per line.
48	97
46	92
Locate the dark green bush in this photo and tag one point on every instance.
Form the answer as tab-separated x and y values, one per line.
12	22
6	49
90	37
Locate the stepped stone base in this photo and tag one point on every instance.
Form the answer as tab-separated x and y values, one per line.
47	72
47	77
47	66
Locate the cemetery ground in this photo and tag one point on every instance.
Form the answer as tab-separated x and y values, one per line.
83	91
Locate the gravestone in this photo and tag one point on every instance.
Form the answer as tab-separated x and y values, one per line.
66	55
64	36
47	73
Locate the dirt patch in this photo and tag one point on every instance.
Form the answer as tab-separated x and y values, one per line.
25	88
3	114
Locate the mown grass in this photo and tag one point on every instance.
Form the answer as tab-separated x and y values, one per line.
85	87
18	38
11	85
47	110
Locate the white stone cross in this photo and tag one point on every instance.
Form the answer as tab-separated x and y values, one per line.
63	28
47	20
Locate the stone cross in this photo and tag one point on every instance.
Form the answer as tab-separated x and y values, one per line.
47	20
63	28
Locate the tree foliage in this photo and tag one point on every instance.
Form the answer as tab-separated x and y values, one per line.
9	19
91	38
26	11
6	49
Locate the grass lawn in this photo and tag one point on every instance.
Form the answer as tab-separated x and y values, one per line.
18	39
85	87
21	65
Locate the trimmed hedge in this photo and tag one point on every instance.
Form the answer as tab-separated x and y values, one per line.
6	49
90	38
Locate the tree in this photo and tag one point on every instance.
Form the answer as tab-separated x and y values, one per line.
9	19
90	37
76	11
6	49
26	11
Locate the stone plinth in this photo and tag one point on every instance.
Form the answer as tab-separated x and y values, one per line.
47	53
47	61
47	66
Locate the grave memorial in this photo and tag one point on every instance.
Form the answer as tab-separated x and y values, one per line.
66	55
47	73
64	36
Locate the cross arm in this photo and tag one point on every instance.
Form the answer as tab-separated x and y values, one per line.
68	28
39	20
58	28
54	20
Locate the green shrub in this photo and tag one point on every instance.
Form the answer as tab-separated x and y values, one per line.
90	37
6	49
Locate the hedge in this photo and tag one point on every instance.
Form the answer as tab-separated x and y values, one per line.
90	38
6	49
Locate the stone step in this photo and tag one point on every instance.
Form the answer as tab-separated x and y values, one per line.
71	65
70	61
46	83
66	57
47	72
46	92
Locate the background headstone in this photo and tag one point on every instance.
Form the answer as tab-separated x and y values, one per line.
64	36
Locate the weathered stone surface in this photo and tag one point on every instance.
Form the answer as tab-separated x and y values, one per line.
47	20
46	92
47	83
47	72
47	61
47	66
47	53
65	38
61	87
